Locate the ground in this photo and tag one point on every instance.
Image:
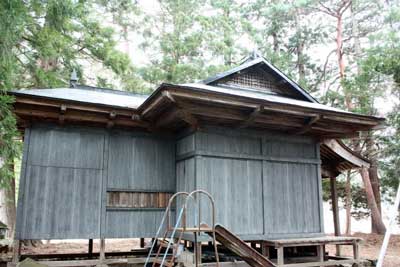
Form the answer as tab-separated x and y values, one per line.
369	248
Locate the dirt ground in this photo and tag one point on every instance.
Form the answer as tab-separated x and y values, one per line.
369	248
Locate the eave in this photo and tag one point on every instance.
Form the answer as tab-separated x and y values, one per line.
36	108
244	112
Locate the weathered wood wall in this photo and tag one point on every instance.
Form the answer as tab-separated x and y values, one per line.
68	174
138	163
60	185
81	182
264	185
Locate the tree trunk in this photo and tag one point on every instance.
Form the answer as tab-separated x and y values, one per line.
348	203
375	214
300	49
339	46
7	206
375	184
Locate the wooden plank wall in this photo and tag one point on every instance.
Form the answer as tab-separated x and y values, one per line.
60	185
264	185
138	165
79	182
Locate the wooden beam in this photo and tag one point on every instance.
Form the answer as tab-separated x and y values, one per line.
63	110
111	121
346	153
76	116
189	119
251	117
174	115
304	111
308	125
38	101
335	211
328	172
164	98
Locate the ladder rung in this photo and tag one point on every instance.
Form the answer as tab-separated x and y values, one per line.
165	245
167	262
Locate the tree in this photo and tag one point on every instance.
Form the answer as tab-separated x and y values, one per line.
358	94
42	41
175	42
283	31
11	25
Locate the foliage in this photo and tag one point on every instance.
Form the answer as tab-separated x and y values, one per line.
184	41
11	24
41	42
283	32
358	199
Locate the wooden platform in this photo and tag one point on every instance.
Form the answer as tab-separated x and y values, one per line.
319	242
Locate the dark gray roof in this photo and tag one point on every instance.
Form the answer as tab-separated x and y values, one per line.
259	95
88	94
260	60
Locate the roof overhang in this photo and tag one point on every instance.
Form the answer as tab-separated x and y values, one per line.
336	158
31	108
173	106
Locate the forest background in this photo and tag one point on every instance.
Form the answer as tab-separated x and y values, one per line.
346	53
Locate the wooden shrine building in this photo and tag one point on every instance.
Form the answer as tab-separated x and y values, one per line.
101	163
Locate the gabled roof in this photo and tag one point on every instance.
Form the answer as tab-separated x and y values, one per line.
263	63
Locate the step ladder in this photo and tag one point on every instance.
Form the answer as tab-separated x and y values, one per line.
172	236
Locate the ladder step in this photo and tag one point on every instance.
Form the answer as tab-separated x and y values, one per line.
168	262
165	245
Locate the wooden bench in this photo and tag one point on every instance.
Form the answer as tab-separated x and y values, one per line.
319	243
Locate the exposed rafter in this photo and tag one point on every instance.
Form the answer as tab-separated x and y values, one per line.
251	117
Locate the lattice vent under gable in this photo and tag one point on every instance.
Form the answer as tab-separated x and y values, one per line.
254	79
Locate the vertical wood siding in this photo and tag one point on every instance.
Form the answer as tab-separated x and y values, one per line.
138	162
68	172
141	162
236	186
61	195
139	223
264	184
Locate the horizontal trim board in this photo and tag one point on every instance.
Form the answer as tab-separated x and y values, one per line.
247	157
139	190
63	167
111	209
257	134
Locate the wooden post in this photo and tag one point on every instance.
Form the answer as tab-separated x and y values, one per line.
102	250
321	253
142	242
356	253
264	249
197	250
16	251
280	257
335	210
90	248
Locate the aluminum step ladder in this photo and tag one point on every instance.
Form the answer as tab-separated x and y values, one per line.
172	236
